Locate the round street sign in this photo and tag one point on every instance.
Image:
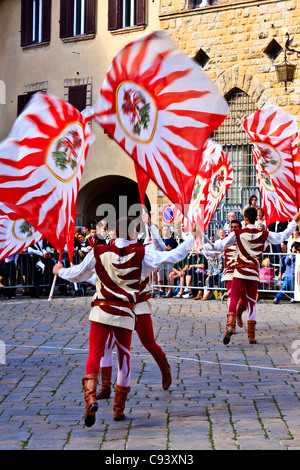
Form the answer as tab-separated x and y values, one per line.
167	214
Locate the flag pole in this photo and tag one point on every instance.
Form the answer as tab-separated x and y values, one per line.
146	225
294	173
52	288
201	232
54	282
75	283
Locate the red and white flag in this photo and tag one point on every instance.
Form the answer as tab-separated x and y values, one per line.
274	135
42	162
214	178
160	107
15	233
296	159
142	181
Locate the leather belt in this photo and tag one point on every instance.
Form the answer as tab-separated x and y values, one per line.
144	298
112	303
246	265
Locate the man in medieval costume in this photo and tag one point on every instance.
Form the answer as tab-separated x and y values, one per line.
119	268
250	244
143	327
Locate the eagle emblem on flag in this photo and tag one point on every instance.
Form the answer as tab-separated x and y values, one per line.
25	229
68	150
134	106
218	182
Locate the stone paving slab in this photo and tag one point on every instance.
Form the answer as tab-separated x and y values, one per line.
235	397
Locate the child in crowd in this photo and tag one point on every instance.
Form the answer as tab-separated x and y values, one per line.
266	275
288	268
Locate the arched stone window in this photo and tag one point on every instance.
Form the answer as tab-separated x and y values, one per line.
235	142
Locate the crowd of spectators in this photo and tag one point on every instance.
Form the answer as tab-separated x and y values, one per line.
198	276
31	269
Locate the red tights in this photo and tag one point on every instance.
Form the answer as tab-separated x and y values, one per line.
97	340
144	329
243	299
243	287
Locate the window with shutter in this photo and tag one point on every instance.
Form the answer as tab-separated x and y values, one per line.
125	14
26	22
23	100
113	14
204	3
77	18
90	17
46	21
35	22
140	12
66	18
77	96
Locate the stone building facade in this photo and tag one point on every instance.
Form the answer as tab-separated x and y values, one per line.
234	41
234	35
47	45
238	44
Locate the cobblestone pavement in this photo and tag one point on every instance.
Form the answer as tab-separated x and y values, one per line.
239	396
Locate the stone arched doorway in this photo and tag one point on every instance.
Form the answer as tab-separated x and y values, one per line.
109	197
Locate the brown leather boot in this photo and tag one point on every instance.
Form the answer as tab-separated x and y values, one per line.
105	389
229	327
207	296
251	331
199	295
90	386
165	372
119	402
234	327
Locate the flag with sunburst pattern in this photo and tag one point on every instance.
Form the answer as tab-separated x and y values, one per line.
15	234
214	178
42	161
274	135
160	107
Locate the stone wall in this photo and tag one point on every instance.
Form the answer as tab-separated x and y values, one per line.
234	35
